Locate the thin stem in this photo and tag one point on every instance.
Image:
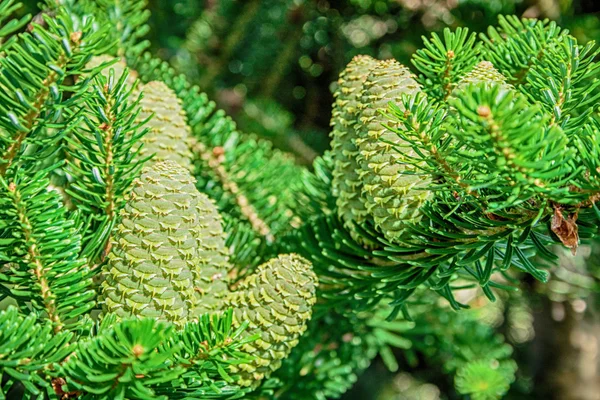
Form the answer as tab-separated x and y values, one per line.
561	95
7	159
108	142
440	159
214	159
32	115
446	76
35	258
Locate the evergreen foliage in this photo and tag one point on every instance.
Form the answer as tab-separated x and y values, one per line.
151	250
502	171
40	251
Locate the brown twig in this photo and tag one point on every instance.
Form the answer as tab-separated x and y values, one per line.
214	159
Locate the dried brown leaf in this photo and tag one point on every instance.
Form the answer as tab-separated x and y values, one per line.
566	229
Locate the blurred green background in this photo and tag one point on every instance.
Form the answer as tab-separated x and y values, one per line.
271	65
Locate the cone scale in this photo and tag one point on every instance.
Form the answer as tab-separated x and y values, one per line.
168	257
169	136
344	121
277	302
393	191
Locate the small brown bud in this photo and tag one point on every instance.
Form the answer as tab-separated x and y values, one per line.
218	151
106	250
76	37
138	350
57	384
484	111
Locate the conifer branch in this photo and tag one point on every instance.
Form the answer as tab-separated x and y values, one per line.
10	26
213	159
35	258
61	284
102	159
29	351
451	180
419	124
108	146
128	20
39	100
517	46
443	60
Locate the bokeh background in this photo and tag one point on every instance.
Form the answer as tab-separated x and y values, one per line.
271	65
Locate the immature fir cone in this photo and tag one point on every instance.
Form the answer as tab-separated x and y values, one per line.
169	135
484	72
168	233
393	190
210	274
277	302
346	183
118	67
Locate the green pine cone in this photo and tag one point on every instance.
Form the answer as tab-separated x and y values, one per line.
393	190
169	136
483	72
118	67
165	239
277	302
210	274
346	184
